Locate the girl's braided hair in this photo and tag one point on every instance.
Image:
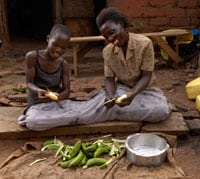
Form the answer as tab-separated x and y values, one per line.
111	14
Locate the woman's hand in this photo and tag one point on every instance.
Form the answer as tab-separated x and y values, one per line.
110	89
140	85
109	102
125	99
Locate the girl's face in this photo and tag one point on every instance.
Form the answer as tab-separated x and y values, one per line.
57	45
114	33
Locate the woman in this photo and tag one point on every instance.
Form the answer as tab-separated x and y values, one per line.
129	61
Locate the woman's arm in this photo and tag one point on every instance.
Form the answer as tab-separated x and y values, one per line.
147	68
110	88
139	86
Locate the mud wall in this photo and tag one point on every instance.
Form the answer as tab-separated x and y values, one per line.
155	15
79	16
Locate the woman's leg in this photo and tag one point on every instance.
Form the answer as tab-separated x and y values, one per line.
150	105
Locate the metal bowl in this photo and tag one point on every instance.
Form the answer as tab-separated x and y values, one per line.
146	149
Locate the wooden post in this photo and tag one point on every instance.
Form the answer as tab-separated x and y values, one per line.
4	32
58	11
75	59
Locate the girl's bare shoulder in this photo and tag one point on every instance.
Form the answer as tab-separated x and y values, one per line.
31	54
31	57
34	53
65	63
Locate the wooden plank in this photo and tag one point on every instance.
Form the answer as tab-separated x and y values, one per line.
194	126
114	127
167	33
9	128
87	39
151	34
174	125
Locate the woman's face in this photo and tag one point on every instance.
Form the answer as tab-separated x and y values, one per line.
57	45
114	33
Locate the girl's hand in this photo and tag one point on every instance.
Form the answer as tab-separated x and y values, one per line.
42	95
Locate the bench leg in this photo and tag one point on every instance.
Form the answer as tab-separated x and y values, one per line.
75	60
171	52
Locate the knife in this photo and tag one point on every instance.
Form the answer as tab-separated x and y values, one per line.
110	100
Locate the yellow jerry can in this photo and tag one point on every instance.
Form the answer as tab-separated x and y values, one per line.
197	103
193	88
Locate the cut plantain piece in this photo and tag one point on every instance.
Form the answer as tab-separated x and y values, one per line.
52	95
120	99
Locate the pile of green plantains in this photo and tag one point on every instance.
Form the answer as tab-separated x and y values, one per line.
85	154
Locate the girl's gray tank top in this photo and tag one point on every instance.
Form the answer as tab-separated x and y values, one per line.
44	80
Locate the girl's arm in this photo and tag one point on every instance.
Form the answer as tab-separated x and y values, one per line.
30	74
65	81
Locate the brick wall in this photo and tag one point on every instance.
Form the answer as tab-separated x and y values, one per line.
156	15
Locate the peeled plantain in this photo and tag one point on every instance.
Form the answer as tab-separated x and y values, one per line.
52	95
120	99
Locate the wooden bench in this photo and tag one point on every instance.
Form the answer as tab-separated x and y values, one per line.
156	36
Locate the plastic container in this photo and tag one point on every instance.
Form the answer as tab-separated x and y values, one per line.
197	103
193	88
195	33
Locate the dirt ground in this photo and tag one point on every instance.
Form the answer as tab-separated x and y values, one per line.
171	81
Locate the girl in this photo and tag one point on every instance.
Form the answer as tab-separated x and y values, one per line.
47	70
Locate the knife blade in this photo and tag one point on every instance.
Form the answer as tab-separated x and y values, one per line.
109	101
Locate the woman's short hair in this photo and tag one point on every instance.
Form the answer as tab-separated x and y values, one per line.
111	14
